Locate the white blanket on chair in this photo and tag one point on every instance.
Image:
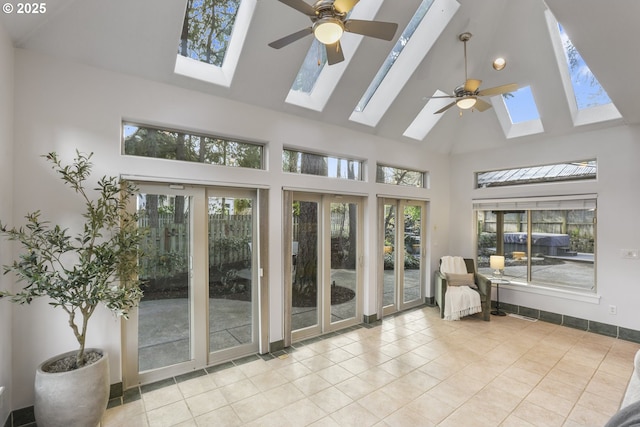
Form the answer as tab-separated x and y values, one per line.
459	301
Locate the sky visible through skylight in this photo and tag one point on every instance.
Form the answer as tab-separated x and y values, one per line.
395	52
521	105
587	89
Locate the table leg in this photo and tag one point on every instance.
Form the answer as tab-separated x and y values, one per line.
497	311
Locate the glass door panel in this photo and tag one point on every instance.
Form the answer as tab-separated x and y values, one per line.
403	251
412	253
344	259
305	271
389	276
165	335
232	293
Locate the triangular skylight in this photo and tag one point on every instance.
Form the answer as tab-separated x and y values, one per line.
404	58
315	82
517	113
426	119
211	39
588	101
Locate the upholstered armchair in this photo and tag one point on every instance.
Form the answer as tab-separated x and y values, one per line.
481	281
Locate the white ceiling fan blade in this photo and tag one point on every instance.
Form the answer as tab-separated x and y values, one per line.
471	85
481	105
377	29
300	6
334	53
280	43
499	90
344	6
445	108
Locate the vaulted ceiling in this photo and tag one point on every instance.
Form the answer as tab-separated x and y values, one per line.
140	38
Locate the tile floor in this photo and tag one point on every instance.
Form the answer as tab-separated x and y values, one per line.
413	369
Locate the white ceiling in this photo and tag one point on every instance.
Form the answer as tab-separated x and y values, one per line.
140	37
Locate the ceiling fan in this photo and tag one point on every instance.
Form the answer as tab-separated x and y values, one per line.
467	95
329	22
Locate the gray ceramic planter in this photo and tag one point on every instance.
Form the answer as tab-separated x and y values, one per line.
76	398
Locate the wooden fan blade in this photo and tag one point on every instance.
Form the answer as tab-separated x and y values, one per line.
445	108
290	38
472	85
377	29
334	53
481	105
499	90
443	96
344	6
300	6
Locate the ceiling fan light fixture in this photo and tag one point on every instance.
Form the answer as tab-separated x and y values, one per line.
466	102
499	63
328	30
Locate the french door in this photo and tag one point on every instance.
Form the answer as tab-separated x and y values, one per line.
200	300
402	283
323	260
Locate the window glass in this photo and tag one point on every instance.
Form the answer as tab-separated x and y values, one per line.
207	29
158	143
521	105
321	165
586	88
558	250
399	176
570	171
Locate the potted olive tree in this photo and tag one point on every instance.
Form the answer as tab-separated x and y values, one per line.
77	271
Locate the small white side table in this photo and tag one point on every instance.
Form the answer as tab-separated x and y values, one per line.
498	281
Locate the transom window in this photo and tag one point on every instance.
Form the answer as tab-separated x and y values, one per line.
399	176
321	165
569	171
148	141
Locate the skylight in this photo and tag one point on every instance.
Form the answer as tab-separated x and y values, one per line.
315	83
517	113
212	36
395	72
395	52
588	101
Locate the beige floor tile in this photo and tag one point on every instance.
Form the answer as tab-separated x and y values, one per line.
538	416
239	390
161	397
254	407
228	376
588	417
381	404
294	371
224	416
284	394
552	402
356	365
169	415
331	399
311	384
205	402
413	370
354	415
197	385
268	380
129	415
405	417
356	387
338	355
303	412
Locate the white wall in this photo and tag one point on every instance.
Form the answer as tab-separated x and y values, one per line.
61	107
6	193
617	151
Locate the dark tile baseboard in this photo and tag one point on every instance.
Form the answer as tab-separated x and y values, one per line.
572	322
